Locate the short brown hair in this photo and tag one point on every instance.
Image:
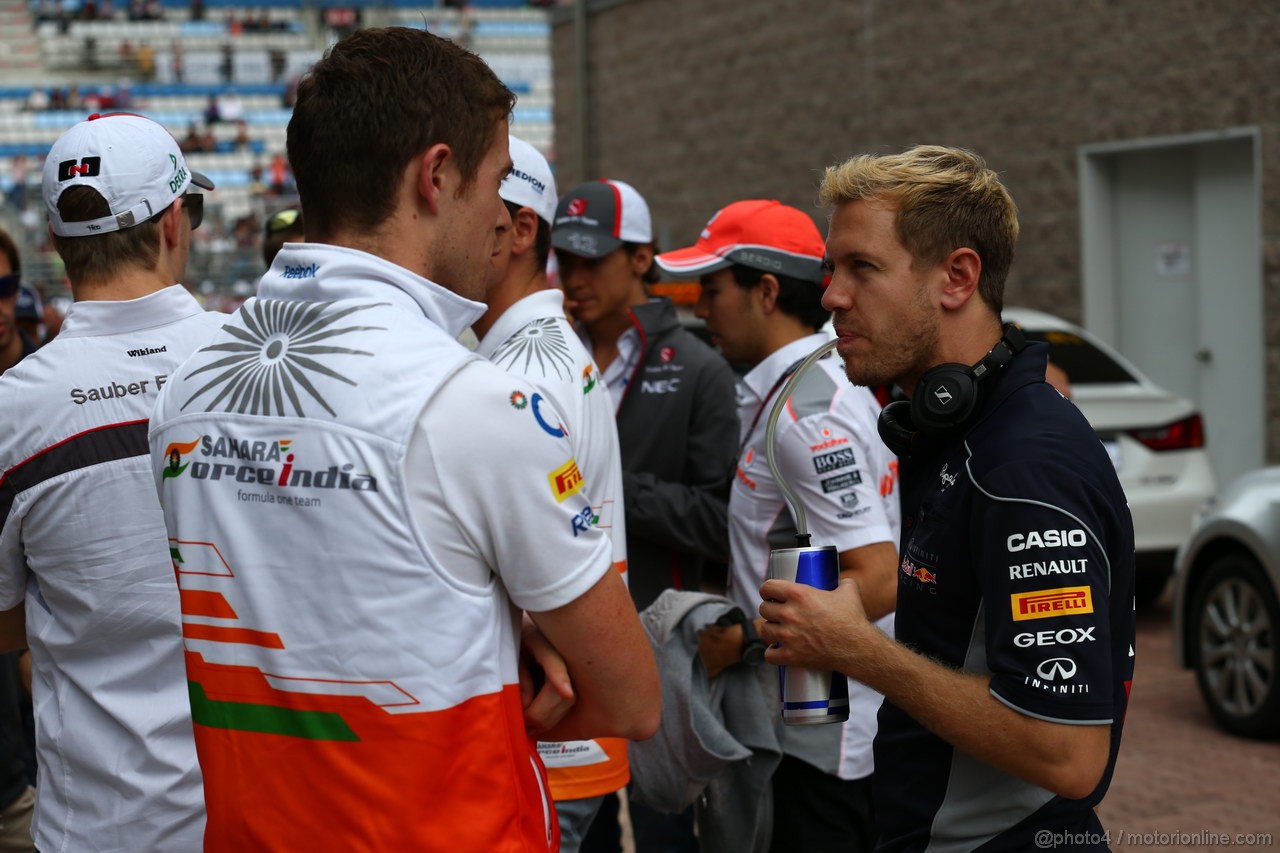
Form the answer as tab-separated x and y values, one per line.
99	257
946	199
376	100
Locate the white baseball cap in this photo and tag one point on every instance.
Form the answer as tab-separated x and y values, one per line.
132	161
599	216
530	183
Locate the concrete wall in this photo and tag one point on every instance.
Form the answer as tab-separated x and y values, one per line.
700	102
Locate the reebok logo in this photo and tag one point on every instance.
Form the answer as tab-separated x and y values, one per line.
300	271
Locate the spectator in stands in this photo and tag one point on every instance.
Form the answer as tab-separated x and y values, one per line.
197	10
175	60
284	226
279	174
38	99
226	65
212	111
82	538
241	140
75	101
191	142
147	62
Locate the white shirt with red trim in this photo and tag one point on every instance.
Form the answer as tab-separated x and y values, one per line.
533	338
83	545
828	450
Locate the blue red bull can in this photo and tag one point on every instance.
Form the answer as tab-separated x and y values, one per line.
810	696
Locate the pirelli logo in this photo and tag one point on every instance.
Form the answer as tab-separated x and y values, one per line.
566	481
1046	603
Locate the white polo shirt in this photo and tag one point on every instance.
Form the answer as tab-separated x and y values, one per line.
828	450
83	544
533	338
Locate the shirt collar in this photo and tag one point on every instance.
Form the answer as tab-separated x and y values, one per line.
103	317
319	272
765	375
535	306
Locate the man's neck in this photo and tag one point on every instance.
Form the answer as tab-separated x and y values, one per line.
130	285
518	284
604	334
782	331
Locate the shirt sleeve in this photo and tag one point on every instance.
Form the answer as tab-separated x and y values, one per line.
1046	586
825	460
13	565
509	482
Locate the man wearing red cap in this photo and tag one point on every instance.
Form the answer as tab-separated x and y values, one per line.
85	569
760	264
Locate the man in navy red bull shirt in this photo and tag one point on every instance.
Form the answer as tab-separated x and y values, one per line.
1006	691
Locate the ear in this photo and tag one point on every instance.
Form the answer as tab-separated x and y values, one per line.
961	271
524	230
642	259
434	176
171	224
768	292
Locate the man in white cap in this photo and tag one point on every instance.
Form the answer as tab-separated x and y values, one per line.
760	265
85	572
526	332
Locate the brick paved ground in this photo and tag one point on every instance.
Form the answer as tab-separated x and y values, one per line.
1178	772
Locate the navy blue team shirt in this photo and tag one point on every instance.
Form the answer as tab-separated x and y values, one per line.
1016	563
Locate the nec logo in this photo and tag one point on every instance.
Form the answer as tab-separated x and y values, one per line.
1046	539
89	167
660	386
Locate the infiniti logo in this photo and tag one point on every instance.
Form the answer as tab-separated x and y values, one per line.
943	395
1057	669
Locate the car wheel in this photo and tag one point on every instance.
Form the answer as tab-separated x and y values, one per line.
1233	628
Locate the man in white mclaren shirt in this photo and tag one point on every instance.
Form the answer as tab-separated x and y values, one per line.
760	264
85	572
525	332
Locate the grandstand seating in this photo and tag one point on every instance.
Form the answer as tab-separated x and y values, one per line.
285	39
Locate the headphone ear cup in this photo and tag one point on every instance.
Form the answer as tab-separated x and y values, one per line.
945	398
896	428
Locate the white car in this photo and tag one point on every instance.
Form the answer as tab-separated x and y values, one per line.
1155	438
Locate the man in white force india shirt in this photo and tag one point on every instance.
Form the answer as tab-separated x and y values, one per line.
525	332
363	506
84	559
760	264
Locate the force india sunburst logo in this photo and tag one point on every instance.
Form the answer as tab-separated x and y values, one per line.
272	366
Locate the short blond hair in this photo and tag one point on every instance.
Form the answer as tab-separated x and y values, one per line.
946	199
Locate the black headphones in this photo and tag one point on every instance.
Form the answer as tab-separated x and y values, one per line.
947	396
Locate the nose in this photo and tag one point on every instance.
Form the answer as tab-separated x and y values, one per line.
836	297
701	308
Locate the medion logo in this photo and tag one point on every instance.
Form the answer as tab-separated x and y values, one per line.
285	475
135	353
534	182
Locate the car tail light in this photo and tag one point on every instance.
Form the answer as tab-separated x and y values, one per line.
1179	435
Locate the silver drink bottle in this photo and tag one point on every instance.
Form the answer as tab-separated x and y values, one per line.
809	696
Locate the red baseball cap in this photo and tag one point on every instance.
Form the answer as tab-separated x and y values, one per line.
762	234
